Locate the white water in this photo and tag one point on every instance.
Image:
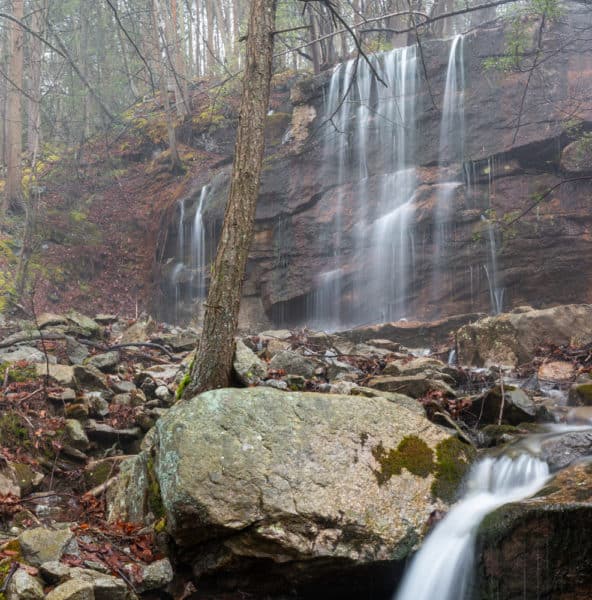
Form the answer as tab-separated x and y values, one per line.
451	150
443	567
198	247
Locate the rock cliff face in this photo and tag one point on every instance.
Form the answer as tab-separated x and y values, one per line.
520	147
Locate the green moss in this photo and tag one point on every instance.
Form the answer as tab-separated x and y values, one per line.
13	432
584	393
18	373
412	454
453	458
154	498
99	474
185	381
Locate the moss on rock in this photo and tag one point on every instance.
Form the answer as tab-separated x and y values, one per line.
412	454
453	458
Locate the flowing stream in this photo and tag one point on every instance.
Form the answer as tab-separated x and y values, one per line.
443	567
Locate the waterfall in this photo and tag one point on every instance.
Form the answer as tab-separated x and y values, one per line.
443	566
451	150
359	109
496	293
198	247
187	276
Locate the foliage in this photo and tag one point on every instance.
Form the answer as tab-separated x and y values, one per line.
519	35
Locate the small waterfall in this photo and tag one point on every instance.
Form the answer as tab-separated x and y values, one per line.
187	276
379	235
198	247
496	293
443	566
451	150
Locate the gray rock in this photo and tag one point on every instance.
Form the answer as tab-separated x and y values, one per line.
32	355
163	393
513	338
409	403
179	342
74	589
561	451
63	374
262	474
98	406
105	587
90	377
47	319
156	575
139	332
88	325
293	363
580	394
518	407
67	396
248	367
123	386
23	586
415	386
54	571
278	384
107	434
41	545
75	435
8	479
76	351
107	361
417	366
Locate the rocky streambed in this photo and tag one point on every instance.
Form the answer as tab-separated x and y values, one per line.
318	475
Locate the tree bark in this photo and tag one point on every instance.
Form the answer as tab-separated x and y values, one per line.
213	364
14	118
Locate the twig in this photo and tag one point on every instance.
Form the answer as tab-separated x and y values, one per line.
103	487
503	392
13	568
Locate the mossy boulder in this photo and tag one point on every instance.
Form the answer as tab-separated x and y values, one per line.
303	481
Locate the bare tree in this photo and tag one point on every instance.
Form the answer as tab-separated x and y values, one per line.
213	364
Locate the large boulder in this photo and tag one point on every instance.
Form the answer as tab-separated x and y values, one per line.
513	338
540	547
304	484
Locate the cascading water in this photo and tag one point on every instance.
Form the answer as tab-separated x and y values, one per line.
381	238
443	566
496	293
187	276
451	150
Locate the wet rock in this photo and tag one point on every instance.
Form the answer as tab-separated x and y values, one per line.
581	415
560	451
73	589
513	338
248	367
553	527
23	586
556	370
580	394
41	545
293	363
289	477
415	386
518	407
106	362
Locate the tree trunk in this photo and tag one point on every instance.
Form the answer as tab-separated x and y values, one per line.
213	364
14	118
